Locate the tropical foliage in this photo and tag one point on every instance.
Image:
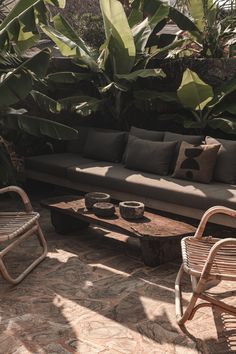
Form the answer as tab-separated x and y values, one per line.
198	106
120	63
206	32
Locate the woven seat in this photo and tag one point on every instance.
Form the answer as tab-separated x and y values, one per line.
16	227
195	253
205	259
13	224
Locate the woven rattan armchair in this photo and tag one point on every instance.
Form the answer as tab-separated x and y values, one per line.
207	260
16	227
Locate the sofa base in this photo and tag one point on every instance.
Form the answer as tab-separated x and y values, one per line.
150	203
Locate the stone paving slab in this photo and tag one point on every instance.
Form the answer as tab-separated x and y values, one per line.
93	295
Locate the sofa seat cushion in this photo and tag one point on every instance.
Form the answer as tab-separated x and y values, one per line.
55	164
116	177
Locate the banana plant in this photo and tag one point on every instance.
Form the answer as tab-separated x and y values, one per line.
115	69
17	80
20	28
206	32
198	106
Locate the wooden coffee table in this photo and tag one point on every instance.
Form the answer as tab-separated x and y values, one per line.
159	236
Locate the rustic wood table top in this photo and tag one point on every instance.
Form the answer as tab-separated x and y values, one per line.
151	226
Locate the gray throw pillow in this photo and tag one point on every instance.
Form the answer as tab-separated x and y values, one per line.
191	139
150	156
147	134
151	135
105	146
225	170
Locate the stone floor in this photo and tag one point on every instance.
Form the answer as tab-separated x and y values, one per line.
93	294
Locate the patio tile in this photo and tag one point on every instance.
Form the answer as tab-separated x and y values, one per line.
93	295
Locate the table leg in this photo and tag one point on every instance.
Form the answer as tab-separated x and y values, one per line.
65	224
156	252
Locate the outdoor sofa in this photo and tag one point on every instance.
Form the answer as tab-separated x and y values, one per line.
142	165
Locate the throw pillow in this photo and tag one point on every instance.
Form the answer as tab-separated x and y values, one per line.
142	134
225	170
149	156
196	163
105	146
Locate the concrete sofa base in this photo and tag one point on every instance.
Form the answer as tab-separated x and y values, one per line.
149	202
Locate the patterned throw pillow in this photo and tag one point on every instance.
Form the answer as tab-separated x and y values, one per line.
196	163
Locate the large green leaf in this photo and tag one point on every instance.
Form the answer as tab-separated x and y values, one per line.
20	27
67	46
143	73
136	14
182	21
61	25
39	126
122	50
83	105
225	124
194	93
67	77
16	85
143	30
46	103
196	9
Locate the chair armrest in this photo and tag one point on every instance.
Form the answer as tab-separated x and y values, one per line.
208	214
21	193
213	253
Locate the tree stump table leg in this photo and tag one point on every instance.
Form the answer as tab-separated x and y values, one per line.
65	224
159	251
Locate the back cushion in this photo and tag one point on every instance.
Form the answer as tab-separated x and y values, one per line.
147	134
105	146
225	169
149	156
151	135
191	139
77	146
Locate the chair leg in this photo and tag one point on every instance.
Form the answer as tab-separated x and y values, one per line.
17	280
181	316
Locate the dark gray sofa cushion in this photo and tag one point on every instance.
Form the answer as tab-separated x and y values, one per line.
147	134
105	146
191	139
225	169
149	156
77	146
55	164
116	177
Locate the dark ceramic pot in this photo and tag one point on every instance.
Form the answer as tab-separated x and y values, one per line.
95	197
131	210
104	209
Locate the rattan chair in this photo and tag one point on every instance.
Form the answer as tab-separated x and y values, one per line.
16	227
207	260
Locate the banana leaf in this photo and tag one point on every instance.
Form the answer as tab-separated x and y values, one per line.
16	85
120	41
194	93
38	126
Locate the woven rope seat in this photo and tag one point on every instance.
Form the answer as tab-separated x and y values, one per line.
196	251
13	224
16	227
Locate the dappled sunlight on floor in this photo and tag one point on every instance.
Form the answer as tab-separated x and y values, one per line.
93	294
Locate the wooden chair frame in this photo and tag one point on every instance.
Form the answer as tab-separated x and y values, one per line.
17	236
200	281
